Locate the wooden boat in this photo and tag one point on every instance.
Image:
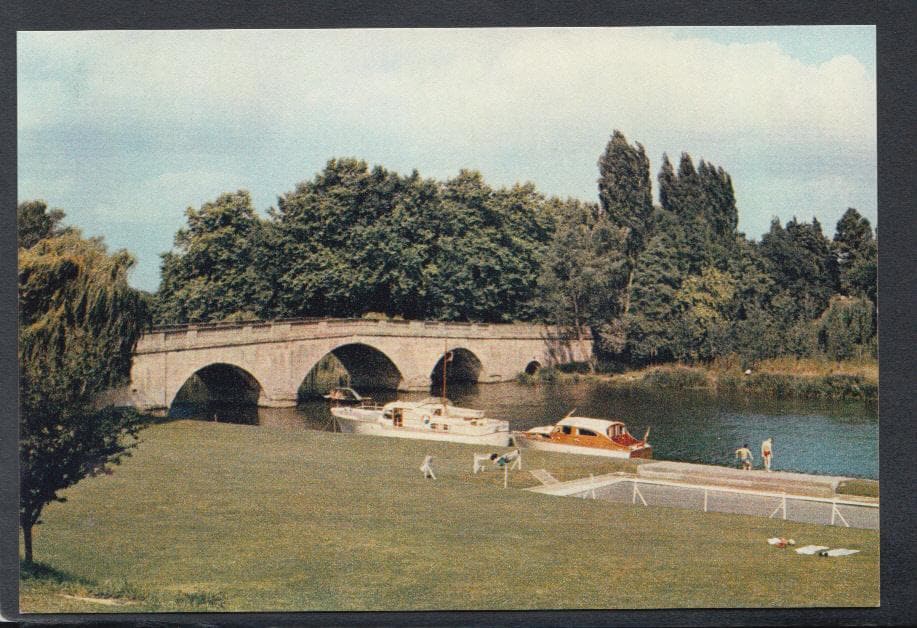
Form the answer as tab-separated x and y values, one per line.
590	437
430	419
346	396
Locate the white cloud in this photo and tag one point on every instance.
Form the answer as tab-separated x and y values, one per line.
176	117
456	84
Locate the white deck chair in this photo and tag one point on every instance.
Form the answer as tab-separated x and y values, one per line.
544	477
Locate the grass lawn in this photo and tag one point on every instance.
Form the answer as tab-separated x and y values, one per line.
221	517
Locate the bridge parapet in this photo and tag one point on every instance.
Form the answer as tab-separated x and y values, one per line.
265	332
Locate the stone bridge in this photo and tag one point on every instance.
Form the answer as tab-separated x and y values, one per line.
268	361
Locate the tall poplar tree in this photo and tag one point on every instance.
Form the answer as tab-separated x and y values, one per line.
626	198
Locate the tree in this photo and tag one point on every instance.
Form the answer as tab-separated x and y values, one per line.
755	334
214	273
703	201
579	270
654	312
356	240
856	251
845	330
34	222
626	197
79	322
705	302
487	250
802	264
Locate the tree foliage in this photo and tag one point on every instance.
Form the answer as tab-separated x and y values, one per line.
675	281
34	222
354	240
845	330
580	269
856	251
78	324
803	266
626	197
214	272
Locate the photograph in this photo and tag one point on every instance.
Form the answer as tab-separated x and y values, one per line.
447	319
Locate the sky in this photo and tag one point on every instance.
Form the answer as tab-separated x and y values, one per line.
124	130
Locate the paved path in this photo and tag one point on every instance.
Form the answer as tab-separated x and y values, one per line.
759	480
780	494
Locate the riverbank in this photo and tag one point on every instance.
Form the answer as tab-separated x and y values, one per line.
208	516
806	378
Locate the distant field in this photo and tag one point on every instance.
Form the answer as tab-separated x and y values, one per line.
221	517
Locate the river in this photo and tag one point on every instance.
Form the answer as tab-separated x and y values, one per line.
825	437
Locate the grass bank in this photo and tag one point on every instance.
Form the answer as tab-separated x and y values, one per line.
209	516
808	378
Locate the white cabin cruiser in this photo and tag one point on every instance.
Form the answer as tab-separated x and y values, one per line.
429	419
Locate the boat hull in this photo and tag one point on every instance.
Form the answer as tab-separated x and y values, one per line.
522	440
374	427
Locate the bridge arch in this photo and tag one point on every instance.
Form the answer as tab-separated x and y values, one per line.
367	367
464	367
218	383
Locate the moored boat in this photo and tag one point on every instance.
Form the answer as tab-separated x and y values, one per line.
429	419
346	396
586	436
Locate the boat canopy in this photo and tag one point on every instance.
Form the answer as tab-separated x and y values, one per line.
600	426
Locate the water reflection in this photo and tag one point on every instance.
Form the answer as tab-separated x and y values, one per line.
829	437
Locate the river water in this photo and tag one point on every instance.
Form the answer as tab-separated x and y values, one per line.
825	437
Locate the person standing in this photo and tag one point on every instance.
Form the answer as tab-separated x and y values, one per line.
743	453
767	452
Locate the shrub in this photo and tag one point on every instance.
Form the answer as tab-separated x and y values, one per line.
675	377
845	329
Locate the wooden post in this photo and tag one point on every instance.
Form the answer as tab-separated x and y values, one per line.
505	475
705	500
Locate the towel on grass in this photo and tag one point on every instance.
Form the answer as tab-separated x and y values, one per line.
841	551
811	549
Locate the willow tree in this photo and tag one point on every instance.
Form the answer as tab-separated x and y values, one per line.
79	322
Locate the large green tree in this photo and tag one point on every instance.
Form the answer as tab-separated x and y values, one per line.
78	325
803	266
579	271
356	240
703	200
487	250
217	270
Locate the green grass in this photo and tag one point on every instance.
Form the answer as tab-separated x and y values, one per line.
209	516
859	488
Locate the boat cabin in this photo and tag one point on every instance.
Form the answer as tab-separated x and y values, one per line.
588	431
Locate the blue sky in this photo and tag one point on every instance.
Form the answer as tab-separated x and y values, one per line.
125	129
